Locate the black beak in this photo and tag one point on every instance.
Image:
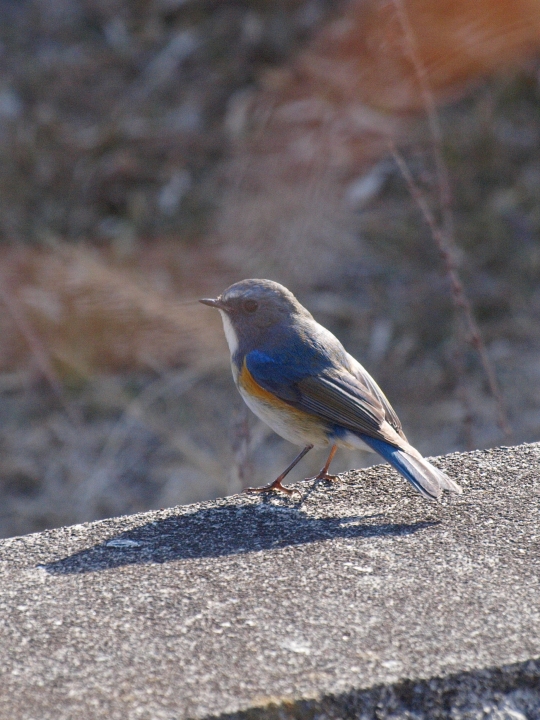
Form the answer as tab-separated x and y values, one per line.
217	303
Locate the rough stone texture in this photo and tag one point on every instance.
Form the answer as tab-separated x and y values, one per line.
360	600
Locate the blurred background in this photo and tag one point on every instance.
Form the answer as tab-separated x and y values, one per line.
155	151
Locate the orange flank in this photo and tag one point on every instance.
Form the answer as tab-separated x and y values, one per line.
250	386
295	425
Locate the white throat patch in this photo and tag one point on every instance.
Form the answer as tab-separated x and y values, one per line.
230	334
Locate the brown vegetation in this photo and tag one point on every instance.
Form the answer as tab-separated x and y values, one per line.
155	152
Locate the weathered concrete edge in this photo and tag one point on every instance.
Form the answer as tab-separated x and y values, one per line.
144	516
513	687
459	697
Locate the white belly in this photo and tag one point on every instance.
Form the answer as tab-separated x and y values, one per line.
298	428
289	424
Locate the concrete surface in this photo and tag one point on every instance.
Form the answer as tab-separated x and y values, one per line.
362	600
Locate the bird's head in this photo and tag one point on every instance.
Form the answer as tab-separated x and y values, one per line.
252	310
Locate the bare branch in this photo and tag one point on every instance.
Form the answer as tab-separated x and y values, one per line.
38	351
458	292
443	179
444	236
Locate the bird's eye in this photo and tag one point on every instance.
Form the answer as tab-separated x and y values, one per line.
250	305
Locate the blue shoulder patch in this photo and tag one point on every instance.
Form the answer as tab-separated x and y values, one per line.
286	359
275	374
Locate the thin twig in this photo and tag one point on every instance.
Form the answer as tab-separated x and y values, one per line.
430	107
458	292
241	445
38	351
444	236
462	391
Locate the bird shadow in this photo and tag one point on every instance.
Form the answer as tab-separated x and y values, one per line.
221	531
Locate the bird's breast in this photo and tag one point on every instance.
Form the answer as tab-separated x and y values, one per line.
294	425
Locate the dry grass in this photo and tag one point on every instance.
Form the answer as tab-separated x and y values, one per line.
77	311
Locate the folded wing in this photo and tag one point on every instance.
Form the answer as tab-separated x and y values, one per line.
353	401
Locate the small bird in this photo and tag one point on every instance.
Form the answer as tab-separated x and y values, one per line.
299	379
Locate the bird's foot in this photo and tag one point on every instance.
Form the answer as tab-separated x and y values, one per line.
276	486
323	475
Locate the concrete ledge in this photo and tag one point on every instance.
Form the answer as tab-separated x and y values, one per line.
508	693
361	600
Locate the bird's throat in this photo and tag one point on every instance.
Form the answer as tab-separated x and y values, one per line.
230	333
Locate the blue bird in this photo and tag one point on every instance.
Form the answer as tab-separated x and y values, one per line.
299	379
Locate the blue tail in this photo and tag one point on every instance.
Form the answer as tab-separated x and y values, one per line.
424	477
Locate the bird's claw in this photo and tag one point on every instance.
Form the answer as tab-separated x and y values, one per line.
324	476
276	486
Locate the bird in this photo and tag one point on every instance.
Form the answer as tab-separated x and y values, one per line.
297	377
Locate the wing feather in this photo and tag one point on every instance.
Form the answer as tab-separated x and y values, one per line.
364	378
340	402
329	393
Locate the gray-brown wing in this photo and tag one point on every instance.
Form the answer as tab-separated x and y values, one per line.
341	399
364	378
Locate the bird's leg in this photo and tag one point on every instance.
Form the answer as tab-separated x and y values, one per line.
323	475
276	486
